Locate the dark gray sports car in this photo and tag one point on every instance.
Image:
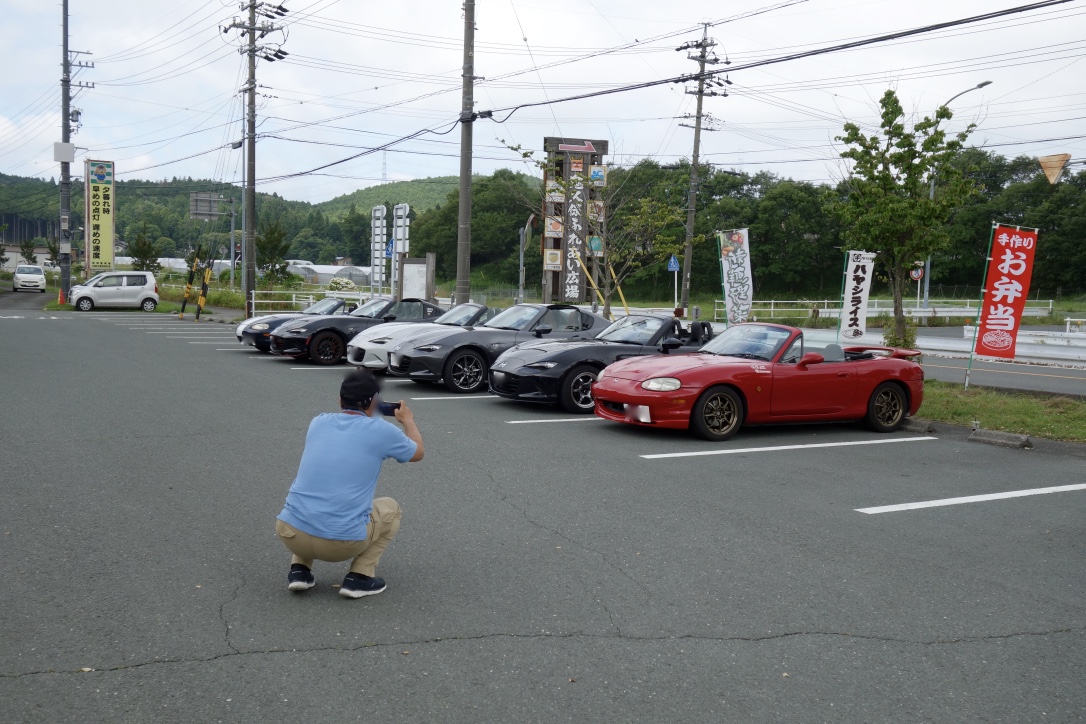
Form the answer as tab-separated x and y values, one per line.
562	371
461	357
324	338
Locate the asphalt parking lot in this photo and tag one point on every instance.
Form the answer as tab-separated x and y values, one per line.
550	567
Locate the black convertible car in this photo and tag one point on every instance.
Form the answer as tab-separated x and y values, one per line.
563	371
256	332
324	339
461	357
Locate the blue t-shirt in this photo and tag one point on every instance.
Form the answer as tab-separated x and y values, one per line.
332	496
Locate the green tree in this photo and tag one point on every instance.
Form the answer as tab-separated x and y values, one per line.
143	252
27	247
52	246
884	204
3	247
272	248
641	232
356	230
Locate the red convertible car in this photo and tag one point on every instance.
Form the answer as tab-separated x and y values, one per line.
756	374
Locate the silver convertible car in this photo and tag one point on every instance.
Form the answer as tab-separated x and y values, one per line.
369	348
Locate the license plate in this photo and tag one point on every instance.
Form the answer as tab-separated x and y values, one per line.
640	413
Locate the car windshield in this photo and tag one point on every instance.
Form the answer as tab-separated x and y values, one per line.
516	317
458	316
634	329
370	308
753	341
28	270
324	306
92	280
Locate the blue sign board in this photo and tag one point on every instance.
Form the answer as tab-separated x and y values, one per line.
388	249
673	264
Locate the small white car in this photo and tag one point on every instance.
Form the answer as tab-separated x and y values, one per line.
116	289
28	276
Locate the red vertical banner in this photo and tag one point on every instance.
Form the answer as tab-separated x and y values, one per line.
1005	290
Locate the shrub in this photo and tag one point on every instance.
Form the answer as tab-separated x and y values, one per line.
341	284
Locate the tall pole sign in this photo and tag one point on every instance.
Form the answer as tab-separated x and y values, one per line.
100	196
378	238
401	238
573	185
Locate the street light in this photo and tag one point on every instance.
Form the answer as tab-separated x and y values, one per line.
931	189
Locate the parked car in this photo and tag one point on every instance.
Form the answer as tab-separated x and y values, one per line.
754	374
28	276
323	338
116	289
563	371
370	348
462	357
256	332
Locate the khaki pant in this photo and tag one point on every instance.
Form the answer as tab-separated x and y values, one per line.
383	525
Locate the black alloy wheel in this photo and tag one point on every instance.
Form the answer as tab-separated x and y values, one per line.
576	393
718	414
326	348
465	372
886	408
84	304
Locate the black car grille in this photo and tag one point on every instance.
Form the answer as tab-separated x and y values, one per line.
505	383
403	366
279	342
614	406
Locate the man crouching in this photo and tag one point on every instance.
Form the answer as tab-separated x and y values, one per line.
330	512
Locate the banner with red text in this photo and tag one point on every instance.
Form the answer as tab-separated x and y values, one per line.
1006	288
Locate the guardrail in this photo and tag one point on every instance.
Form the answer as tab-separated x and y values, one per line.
281	301
792	308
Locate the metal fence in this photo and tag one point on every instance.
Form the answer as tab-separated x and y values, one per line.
813	308
286	301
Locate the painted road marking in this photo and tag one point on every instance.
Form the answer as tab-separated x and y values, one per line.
776	448
227	349
556	419
457	397
1008	372
329	368
970	499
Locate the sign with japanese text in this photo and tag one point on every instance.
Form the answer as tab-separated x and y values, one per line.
552	260
1005	290
573	277
101	200
735	276
859	270
597	175
552	227
378	245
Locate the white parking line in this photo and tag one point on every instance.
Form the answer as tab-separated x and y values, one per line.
776	448
228	349
971	499
555	419
458	397
218	341
330	368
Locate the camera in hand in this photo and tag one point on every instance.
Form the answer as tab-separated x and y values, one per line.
388	408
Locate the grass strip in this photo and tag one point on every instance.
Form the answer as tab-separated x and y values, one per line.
1055	417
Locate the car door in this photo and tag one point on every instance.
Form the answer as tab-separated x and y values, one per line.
133	289
816	390
109	291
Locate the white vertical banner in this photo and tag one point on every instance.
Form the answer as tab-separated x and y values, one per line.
859	270
735	277
378	239
401	238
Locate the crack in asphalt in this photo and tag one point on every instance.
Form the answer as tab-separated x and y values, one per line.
222	615
544	636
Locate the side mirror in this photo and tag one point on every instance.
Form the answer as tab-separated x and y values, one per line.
669	344
541	330
389	317
811	358
351	308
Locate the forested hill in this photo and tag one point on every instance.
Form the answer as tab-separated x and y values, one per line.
420	194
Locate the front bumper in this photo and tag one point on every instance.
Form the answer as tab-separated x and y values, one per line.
372	358
625	401
425	366
539	387
289	346
255	339
29	284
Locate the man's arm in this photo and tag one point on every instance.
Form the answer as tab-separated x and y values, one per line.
405	417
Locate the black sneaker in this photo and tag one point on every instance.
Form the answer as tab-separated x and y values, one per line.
300	578
356	585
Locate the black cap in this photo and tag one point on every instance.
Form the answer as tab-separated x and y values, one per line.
358	389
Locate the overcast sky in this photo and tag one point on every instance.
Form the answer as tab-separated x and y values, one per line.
361	74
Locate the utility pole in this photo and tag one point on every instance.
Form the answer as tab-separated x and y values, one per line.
702	57
253	32
467	117
65	153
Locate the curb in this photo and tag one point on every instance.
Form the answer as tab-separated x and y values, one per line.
1003	439
918	424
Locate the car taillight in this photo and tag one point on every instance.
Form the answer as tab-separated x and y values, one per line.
156	287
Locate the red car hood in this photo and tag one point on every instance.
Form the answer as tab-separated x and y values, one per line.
669	365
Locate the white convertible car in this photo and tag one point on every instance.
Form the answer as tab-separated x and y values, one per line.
370	347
